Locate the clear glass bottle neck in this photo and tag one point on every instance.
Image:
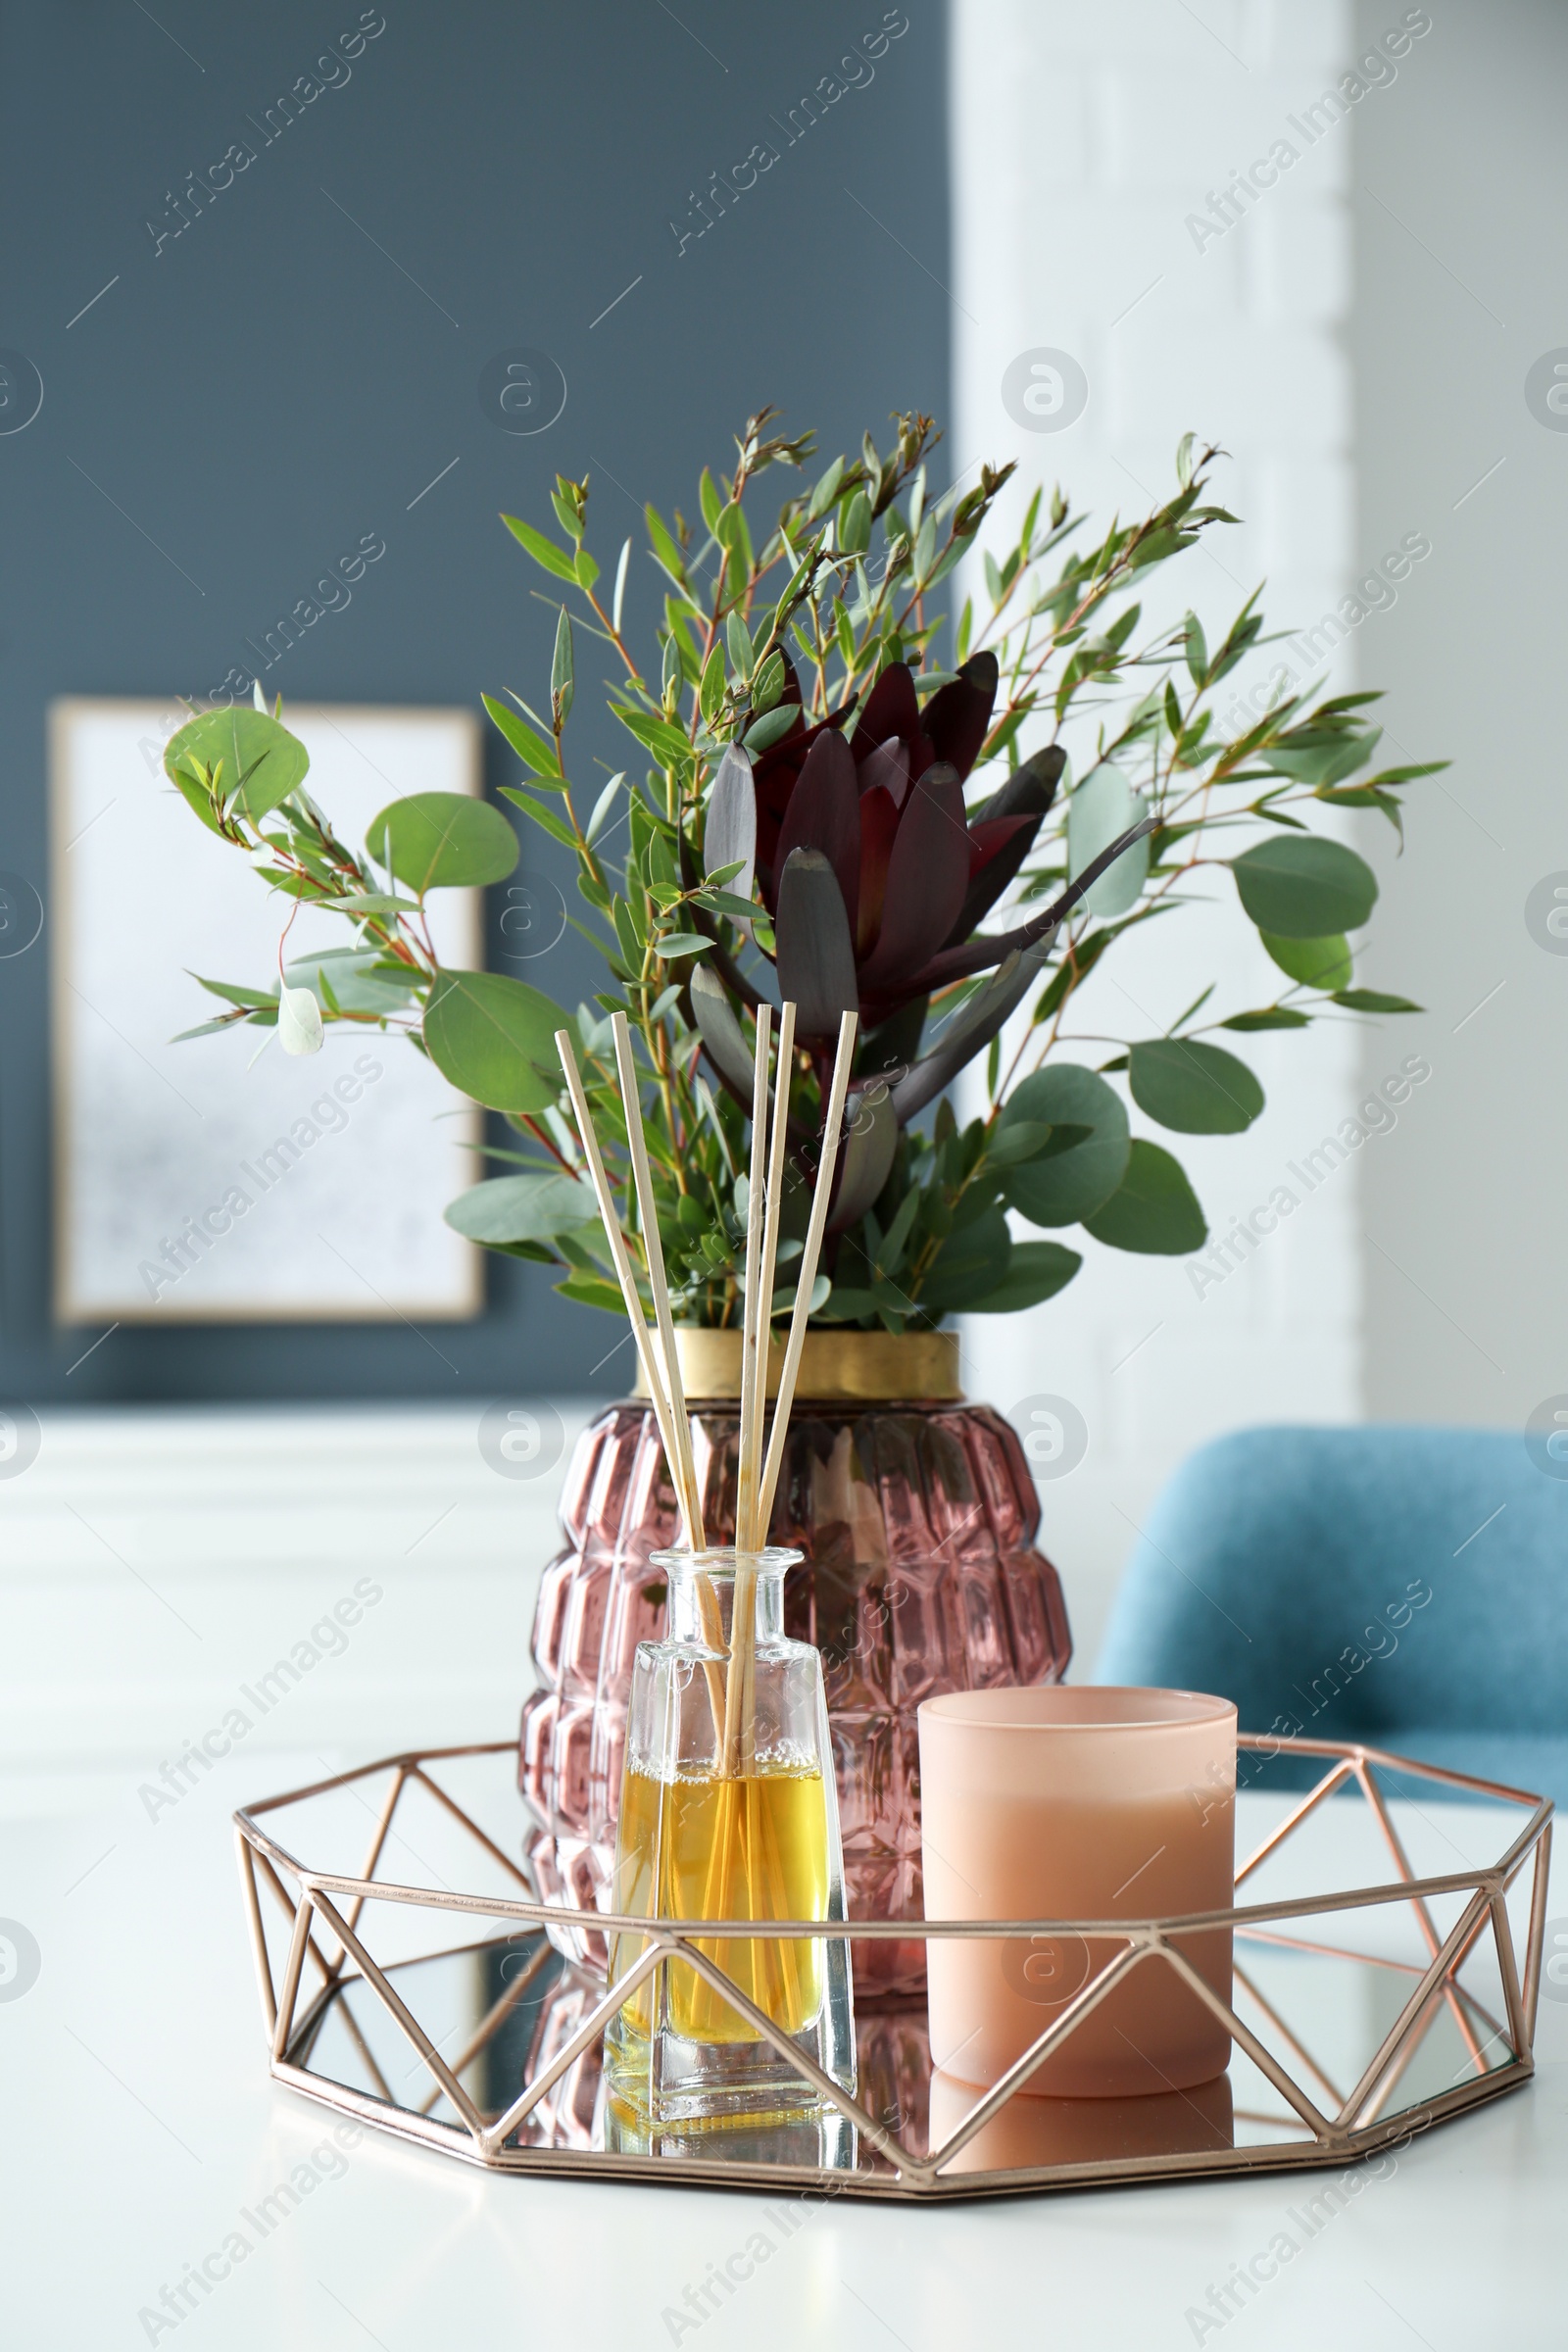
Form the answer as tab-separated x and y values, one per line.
702	1591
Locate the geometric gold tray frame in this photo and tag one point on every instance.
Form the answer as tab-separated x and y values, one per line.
324	1918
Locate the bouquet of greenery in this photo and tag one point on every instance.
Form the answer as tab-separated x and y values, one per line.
820	811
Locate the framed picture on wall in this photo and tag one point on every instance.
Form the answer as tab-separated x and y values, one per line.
220	1180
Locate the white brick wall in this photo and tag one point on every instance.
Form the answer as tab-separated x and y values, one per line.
1082	139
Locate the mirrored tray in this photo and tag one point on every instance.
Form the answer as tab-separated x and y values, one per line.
408	1977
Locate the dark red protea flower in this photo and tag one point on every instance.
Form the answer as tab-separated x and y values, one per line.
885	809
875	876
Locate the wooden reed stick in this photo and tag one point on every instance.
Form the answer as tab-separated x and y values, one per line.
757	1535
754	1535
686	1496
743	1597
807	1279
652	1372
732	1692
748	1466
654	1248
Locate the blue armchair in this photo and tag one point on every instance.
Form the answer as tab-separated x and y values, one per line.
1406	1587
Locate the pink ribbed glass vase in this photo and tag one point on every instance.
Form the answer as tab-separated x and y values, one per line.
920	1576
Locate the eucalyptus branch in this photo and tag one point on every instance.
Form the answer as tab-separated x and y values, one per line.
1011	908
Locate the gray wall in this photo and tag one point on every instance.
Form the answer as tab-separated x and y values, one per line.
1463	194
254	394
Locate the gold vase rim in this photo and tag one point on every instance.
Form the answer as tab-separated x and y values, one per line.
837	1367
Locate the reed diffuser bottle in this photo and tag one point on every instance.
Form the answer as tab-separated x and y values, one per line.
729	1811
729	1801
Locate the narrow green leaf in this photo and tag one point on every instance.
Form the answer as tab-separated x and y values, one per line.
562	685
768	683
604	805
585	1290
250	998
667	743
854	526
531	749
543	550
926	548
546	818
1272	1017
627	937
197	797
735	539
373	902
738	638
224	1020
825	492
1196	650
1374	999
726	903
772	727
711	685
665	552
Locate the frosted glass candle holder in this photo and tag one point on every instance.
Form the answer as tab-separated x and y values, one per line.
1077	1803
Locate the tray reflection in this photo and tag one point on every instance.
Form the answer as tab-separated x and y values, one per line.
499	2013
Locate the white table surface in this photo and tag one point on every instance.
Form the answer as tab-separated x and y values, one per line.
138	2120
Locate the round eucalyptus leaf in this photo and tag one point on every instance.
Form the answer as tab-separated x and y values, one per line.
523	1209
495	1039
1103	806
1196	1089
1036	1271
1324	964
1155	1212
357	979
259	757
973	1262
1299	886
1063	1187
443	841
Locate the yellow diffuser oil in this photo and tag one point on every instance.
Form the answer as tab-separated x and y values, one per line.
714	1848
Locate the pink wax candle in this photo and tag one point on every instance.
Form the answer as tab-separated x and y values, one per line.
1078	1803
